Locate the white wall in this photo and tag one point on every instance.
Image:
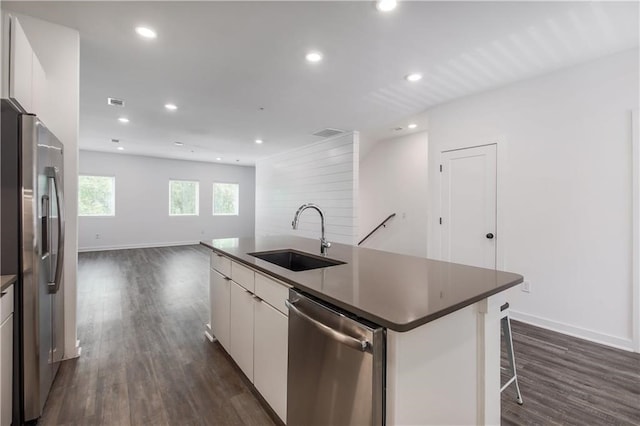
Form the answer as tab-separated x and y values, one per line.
58	49
564	190
324	173
393	179
142	202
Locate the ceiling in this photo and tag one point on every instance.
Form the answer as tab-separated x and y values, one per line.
237	70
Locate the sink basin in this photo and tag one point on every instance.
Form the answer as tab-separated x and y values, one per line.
294	260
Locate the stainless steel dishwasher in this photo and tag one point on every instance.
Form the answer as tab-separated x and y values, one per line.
337	366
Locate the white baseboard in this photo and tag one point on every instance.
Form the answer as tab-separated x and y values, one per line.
581	333
137	246
208	333
76	353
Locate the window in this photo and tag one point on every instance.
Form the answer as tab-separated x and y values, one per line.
225	199
96	196
183	198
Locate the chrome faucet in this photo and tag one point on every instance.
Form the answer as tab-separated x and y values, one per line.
324	244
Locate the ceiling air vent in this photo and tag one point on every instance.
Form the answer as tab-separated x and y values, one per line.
115	140
328	132
115	102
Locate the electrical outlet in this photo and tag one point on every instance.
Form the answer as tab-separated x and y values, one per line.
526	286
404	215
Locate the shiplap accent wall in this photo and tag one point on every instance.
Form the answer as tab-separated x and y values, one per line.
324	173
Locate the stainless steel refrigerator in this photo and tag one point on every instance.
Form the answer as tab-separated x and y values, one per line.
32	215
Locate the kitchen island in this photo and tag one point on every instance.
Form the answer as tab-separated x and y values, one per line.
442	321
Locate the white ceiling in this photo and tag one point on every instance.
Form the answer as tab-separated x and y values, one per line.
222	61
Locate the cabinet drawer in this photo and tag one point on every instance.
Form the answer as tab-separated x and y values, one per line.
6	304
243	276
272	292
221	264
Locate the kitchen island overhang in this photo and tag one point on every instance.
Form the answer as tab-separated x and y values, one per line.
442	321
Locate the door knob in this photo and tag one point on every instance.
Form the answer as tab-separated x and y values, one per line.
490	236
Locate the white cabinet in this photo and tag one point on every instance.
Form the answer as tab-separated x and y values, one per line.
20	66
252	328
6	357
39	87
241	333
270	356
23	77
220	301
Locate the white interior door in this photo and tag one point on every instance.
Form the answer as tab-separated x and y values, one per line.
468	205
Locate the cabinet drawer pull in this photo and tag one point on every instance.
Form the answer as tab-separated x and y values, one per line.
227	278
4	293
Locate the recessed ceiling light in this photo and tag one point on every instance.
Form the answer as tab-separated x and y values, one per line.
218	158
412	126
414	77
386	5
120	148
259	141
171	107
178	143
314	56
123	119
146	32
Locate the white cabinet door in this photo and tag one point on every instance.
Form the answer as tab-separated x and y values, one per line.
38	87
220	299
6	371
271	355
21	67
242	328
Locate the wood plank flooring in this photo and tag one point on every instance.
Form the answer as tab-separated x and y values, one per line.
145	361
569	381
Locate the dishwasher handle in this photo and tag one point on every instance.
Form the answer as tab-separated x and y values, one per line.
352	342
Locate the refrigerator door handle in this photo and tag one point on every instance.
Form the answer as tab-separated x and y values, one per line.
54	174
46	225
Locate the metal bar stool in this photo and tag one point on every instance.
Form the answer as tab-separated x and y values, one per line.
506	331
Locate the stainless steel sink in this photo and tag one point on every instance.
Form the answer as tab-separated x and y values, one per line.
294	260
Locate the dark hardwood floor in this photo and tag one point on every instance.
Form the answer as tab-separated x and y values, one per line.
569	381
145	360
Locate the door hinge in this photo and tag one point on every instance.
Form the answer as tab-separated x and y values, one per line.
440	221
440	168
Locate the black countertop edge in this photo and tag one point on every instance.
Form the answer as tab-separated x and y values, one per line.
367	315
7	280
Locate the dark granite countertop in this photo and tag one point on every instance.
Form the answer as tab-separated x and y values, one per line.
395	291
6	281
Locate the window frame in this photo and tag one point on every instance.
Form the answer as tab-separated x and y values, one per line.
113	195
197	202
213	199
